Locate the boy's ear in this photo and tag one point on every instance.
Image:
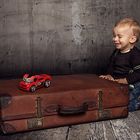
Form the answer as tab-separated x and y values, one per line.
133	39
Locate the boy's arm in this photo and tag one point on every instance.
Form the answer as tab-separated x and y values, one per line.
135	61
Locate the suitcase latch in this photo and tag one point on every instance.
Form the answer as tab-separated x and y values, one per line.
38	121
34	123
104	114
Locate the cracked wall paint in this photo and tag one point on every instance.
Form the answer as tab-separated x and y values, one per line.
76	26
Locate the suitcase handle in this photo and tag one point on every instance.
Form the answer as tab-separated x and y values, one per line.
73	110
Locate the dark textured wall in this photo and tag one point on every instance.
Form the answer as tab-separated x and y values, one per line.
59	36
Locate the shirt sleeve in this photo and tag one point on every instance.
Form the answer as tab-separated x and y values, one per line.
134	76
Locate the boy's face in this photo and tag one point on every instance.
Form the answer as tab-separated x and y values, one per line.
123	38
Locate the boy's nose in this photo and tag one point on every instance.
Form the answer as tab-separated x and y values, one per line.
115	38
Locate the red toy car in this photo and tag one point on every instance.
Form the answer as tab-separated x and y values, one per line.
34	82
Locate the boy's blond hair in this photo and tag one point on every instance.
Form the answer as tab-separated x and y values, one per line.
132	24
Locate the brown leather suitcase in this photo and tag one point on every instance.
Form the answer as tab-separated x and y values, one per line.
71	99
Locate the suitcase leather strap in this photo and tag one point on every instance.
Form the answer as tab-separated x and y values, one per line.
38	107
102	113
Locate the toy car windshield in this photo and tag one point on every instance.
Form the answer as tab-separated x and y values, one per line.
27	80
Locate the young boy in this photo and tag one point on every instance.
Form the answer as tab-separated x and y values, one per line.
124	65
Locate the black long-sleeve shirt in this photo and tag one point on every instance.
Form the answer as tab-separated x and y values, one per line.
122	63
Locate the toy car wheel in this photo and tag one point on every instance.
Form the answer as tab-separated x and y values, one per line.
47	83
33	89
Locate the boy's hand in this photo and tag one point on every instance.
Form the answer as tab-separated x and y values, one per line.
108	77
121	81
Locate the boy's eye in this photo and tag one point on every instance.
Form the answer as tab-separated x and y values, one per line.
114	35
120	36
